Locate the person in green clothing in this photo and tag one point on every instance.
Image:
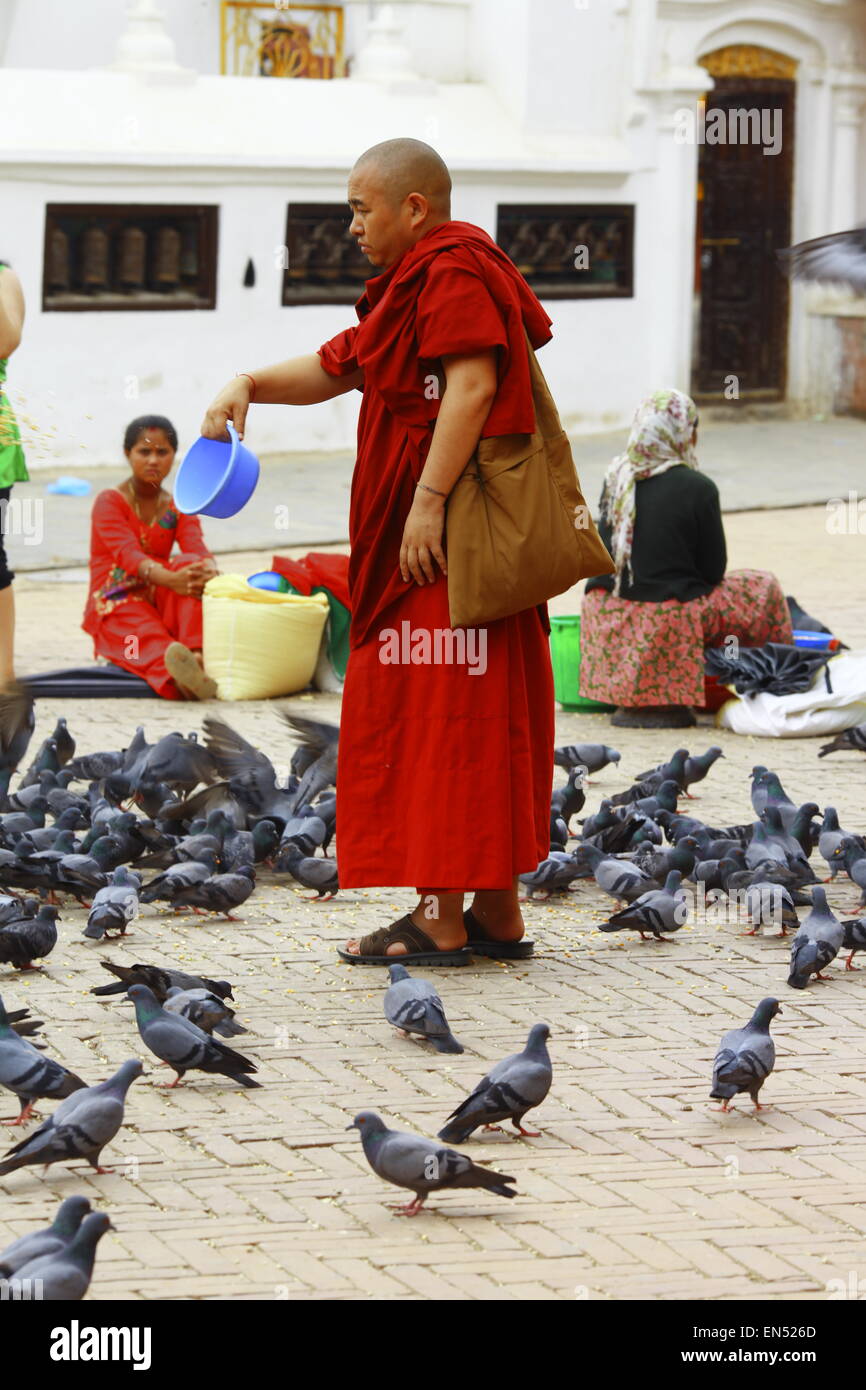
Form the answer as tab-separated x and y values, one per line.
13	468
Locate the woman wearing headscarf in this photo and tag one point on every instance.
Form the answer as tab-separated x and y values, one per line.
643	632
13	468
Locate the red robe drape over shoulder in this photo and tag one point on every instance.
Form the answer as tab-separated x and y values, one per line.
445	768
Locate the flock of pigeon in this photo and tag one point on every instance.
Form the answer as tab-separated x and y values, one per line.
184	823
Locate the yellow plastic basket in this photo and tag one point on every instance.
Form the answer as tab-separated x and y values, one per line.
259	644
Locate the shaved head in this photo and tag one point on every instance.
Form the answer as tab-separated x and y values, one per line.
409	166
398	192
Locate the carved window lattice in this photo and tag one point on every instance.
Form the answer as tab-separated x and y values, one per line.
571	251
129	256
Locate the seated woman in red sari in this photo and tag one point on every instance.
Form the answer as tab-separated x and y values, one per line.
643	634
144	605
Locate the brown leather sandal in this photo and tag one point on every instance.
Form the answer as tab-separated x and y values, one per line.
420	948
480	944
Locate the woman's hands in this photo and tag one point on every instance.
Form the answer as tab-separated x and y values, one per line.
231	403
422	539
191	579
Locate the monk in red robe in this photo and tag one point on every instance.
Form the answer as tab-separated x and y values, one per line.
446	738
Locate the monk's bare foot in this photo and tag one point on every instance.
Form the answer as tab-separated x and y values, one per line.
498	911
445	928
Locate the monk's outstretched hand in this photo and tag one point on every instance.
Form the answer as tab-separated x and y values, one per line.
231	403
421	548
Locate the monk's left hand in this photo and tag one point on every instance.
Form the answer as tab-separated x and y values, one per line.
421	547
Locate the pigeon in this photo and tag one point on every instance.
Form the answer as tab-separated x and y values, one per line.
553	874
170	886
773	795
673	770
510	1089
114	906
830	838
64	1277
305	833
317	764
26	1027
849	853
746	1056
558	832
413	1006
697	768
660	910
29	939
52	1239
663	799
619	878
158	980
30	1075
179	761
206	1010
853	939
184	1046
838	259
421	1165
80	1127
12	909
592	756
219	892
310	872
250	774
568	800
769	904
817	942
854	739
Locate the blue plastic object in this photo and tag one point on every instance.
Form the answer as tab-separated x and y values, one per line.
68	486
814	640
216	479
270	579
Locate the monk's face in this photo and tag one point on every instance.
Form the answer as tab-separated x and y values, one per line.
385	225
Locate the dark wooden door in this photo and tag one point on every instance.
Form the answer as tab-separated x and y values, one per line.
744	216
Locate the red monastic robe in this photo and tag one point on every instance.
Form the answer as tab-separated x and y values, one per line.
445	766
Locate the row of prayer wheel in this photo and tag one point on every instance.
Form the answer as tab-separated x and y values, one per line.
129	258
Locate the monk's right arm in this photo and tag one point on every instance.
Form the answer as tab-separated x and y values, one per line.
299	381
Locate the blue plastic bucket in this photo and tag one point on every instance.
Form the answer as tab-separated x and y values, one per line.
271	580
815	641
215	478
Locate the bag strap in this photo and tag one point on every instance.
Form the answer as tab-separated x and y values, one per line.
547	421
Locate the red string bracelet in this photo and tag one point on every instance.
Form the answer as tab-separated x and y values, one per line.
249	378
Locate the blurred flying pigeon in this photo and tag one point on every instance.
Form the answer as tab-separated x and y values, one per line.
29	938
413	1006
421	1165
249	771
206	1010
838	259
660	910
80	1127
49	1241
817	942
746	1056
184	1046
158	980
854	739
318	746
592	756
510	1089
114	906
64	1277
29	1074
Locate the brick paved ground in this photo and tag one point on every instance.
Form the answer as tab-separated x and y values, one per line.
636	1188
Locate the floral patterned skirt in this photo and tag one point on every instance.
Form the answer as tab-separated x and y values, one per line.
634	653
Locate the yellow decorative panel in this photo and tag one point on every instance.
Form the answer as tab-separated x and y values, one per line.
748	60
281	40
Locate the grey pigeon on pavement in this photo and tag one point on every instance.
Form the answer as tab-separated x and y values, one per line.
159	980
697	768
30	1075
853	939
769	904
553	875
311	872
818	941
29	938
421	1165
850	852
510	1089
178	879
414	1006
49	1241
854	739
655	912
65	1275
114	906
206	1010
184	1046
746	1056
80	1127
220	892
592	756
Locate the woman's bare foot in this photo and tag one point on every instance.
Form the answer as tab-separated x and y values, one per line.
188	673
439	915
